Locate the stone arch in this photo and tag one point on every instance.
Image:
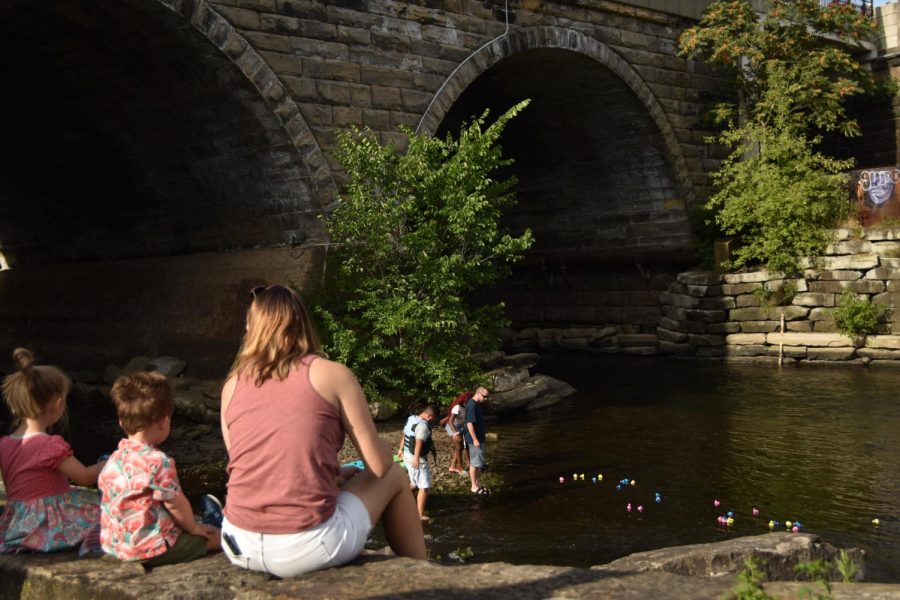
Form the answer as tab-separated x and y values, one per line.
225	37
531	38
149	129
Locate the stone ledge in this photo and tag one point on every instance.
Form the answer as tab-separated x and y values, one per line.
701	571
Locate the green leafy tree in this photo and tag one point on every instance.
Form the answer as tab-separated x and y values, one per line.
415	237
776	190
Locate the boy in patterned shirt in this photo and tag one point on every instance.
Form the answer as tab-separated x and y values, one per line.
144	514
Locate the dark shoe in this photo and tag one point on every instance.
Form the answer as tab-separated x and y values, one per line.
482	491
211	511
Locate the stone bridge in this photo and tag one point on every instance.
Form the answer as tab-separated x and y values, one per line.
161	157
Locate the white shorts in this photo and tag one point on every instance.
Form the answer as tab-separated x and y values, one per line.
338	540
421	477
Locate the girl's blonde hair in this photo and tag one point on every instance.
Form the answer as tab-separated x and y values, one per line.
279	333
31	389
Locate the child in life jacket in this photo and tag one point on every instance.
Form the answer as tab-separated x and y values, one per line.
417	443
44	512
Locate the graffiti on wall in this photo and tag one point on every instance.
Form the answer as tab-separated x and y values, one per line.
876	194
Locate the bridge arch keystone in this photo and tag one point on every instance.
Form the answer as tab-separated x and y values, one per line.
531	38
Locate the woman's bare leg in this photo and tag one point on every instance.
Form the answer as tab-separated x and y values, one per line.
457	464
388	499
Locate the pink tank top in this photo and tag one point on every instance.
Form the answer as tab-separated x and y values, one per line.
283	458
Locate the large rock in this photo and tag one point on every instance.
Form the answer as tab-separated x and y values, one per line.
854	261
640	576
778	554
523	359
886	342
519	397
741	339
488	360
699	278
505	379
752	277
816	340
192	404
136	364
167	365
382	411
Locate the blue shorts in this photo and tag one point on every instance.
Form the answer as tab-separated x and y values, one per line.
476	456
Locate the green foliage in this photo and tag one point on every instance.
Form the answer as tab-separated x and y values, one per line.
856	316
787	42
847	567
764	295
883	92
817	570
749	582
775	190
461	555
415	237
779	195
777	295
704	233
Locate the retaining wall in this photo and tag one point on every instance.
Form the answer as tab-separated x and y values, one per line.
739	316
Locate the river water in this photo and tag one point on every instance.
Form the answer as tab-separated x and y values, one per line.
818	445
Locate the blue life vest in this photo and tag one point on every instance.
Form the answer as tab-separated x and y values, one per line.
409	436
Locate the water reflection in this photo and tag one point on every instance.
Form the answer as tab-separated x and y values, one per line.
818	445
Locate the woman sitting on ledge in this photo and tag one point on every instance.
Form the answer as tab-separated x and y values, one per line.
290	508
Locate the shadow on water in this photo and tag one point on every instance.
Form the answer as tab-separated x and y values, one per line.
811	444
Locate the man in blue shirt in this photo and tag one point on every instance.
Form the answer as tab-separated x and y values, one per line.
475	436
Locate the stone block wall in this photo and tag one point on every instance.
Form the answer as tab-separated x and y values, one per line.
608	309
739	316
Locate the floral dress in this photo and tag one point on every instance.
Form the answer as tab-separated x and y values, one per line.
43	512
135	482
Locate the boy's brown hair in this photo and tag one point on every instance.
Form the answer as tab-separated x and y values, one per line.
141	399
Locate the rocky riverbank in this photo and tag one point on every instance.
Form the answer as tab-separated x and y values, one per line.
195	441
200	454
706	571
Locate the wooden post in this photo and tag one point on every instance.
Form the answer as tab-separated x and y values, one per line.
781	343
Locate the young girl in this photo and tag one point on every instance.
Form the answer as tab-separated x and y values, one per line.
43	513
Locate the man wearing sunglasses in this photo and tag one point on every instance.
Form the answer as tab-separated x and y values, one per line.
476	432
